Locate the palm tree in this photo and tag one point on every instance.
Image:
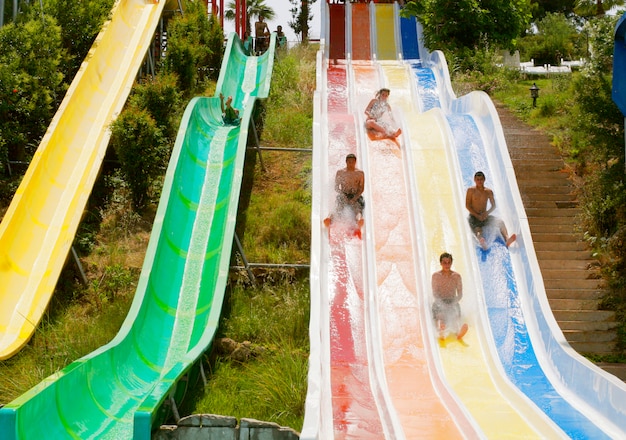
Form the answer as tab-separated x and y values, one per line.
590	8
254	9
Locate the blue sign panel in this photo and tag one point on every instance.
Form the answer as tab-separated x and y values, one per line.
619	65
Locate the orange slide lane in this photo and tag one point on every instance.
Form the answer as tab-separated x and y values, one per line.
361	44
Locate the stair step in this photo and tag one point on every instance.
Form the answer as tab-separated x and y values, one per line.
546	195
590	336
555	228
585	326
524	152
581	265
560	247
581	256
571	284
587	315
567	293
547	180
538	221
573	304
550	213
556	237
545	167
602	348
531	190
547	202
569	275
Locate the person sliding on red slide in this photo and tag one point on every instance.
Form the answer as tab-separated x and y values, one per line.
349	185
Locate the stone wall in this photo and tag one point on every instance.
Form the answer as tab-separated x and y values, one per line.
210	426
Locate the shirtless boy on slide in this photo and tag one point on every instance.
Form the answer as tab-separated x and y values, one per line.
476	203
349	185
447	288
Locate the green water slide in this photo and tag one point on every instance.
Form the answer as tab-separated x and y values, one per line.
117	391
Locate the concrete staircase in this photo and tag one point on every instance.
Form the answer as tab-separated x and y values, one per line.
571	275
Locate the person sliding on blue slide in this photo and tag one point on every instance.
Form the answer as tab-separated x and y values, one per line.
479	216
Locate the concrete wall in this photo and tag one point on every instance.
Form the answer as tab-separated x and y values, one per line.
210	426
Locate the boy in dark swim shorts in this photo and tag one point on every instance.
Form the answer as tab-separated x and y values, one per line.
476	201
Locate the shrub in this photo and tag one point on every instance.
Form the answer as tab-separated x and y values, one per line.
195	46
142	150
30	53
557	38
161	98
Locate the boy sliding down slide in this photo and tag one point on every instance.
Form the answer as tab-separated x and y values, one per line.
349	185
479	216
447	288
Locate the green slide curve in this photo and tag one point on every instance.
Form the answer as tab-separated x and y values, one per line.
116	391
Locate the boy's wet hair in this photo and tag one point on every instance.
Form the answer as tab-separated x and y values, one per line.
479	174
445	255
350	156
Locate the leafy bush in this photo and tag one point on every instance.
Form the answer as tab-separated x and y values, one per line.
597	120
469	24
30	53
80	24
195	46
142	150
556	38
162	100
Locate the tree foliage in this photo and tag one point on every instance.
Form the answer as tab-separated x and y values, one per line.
195	46
142	150
556	38
470	23
540	8
161	98
80	23
301	12
595	8
30	81
39	53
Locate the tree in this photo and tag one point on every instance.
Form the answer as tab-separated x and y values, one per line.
194	46
556	38
254	9
30	82
302	15
80	23
597	8
542	7
470	23
142	150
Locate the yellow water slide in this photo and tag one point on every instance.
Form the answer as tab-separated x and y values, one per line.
38	228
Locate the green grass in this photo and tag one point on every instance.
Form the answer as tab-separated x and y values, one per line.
551	113
271	385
